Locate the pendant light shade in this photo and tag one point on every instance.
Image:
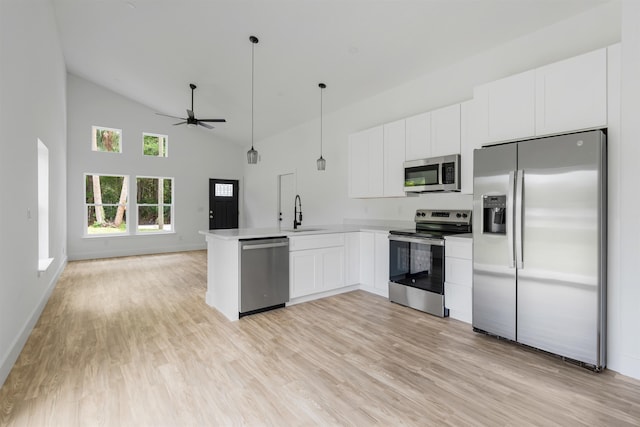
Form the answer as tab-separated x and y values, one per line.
252	154
321	162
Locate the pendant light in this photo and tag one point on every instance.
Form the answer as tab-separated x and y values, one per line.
252	154
321	162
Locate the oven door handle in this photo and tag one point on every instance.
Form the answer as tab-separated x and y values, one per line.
418	240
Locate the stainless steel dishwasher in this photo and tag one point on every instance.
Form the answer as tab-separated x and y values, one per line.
264	274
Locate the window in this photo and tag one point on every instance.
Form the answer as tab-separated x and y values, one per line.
106	139
155	204
106	204
43	207
223	190
154	145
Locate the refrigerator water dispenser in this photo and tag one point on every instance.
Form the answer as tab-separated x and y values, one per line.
493	214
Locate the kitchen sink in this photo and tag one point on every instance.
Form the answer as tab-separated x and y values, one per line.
300	230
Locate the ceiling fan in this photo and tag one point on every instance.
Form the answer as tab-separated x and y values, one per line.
191	120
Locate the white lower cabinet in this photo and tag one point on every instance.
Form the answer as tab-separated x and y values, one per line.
316	264
352	258
374	262
458	273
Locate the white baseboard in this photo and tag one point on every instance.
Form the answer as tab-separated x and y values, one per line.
381	292
325	294
73	256
10	357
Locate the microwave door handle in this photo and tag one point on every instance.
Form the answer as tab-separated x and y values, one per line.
509	219
440	173
518	218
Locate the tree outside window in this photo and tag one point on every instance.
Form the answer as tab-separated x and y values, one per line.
106	204
155	145
155	204
106	139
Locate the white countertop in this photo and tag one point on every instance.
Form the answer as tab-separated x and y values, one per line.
256	233
459	236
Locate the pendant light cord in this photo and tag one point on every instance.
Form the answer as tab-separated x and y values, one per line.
253	45
321	121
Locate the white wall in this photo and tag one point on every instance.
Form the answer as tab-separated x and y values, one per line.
32	106
195	155
324	194
627	302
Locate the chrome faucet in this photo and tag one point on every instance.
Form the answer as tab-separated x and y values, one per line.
297	213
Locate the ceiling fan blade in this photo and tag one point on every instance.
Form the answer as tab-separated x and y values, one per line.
204	125
173	117
212	120
179	123
190	113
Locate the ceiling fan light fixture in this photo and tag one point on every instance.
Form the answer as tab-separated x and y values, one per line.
321	163
252	154
191	121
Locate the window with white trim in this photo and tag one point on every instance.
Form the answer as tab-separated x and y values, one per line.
106	199
154	196
155	145
108	140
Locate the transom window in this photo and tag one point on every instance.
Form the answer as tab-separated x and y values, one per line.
106	204
107	140
155	204
155	145
223	190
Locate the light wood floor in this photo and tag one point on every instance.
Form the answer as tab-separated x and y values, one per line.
131	342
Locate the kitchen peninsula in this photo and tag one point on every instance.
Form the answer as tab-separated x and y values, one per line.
324	260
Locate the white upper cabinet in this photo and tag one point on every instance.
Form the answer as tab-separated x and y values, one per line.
572	94
565	96
394	148
365	162
376	158
418	137
445	131
505	108
469	141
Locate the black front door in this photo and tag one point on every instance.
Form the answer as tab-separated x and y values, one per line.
223	203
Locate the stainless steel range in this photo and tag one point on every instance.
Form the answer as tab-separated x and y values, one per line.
416	259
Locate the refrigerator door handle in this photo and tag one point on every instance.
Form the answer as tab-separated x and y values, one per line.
509	219
518	218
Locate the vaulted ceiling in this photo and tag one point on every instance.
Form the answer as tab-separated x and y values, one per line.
150	50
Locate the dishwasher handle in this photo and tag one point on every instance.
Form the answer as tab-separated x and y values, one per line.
248	247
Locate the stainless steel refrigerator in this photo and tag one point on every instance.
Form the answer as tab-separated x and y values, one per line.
539	244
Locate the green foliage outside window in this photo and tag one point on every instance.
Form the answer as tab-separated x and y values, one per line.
152	198
154	145
106	202
107	140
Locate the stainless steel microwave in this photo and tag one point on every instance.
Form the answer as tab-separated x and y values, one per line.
433	174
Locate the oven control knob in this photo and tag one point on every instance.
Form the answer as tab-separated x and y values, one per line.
423	214
464	215
458	215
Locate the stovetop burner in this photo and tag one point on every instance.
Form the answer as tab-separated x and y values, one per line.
437	224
